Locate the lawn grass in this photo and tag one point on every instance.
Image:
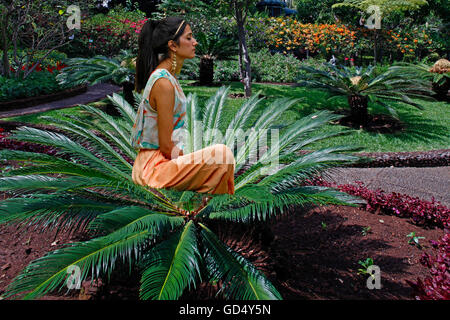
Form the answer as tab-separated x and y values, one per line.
426	129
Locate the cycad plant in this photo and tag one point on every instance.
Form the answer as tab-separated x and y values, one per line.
119	70
210	48
163	233
399	83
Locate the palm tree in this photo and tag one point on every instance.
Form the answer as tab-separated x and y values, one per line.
164	233
119	70
399	83
211	48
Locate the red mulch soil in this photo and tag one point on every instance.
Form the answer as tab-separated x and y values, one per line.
308	260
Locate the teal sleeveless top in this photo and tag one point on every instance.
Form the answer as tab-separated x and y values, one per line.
144	134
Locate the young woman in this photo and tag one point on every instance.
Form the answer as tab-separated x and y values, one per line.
160	163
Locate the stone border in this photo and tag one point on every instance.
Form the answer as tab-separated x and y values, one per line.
432	158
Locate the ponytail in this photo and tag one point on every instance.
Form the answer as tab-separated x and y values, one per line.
153	42
146	60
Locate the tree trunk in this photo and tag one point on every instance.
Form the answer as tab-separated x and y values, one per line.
358	109
375	47
127	89
241	62
6	72
247	79
206	71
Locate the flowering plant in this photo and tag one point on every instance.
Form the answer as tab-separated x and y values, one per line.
107	34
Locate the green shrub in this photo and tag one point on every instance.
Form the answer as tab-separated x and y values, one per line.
37	83
107	34
190	70
276	67
266	67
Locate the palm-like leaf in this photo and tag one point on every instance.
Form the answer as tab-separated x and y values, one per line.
215	47
171	266
98	69
400	83
88	186
242	279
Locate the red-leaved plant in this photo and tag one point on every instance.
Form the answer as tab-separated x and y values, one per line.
424	213
437	285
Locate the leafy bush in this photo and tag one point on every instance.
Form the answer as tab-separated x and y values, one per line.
37	83
287	34
266	67
275	67
107	34
190	70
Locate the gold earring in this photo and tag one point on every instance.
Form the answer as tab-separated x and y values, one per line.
174	62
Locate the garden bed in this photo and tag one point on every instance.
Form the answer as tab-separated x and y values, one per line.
33	101
314	255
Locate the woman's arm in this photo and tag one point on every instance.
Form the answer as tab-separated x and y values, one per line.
164	97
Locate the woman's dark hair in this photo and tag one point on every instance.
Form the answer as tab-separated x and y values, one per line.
152	42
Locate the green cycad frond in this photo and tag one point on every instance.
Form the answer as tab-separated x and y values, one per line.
212	116
306	166
132	219
125	108
67	146
258	203
241	279
94	256
95	70
216	47
43	163
171	266
398	83
55	210
195	133
241	118
260	128
111	128
97	145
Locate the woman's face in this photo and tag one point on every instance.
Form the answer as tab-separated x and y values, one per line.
186	49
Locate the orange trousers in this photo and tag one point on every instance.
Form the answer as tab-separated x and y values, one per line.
209	170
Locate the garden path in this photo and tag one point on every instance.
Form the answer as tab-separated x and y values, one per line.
423	183
93	93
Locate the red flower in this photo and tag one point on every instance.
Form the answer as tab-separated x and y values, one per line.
346	58
50	69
